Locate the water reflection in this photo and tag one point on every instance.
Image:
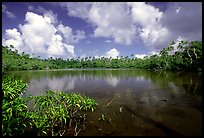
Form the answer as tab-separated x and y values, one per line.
113	81
39	86
142	102
166	85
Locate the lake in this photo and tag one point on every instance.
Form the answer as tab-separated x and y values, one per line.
136	102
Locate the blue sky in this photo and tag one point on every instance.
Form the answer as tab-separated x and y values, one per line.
82	29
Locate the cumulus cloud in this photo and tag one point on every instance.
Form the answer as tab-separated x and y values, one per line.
51	17
176	22
109	19
59	49
144	14
48	14
112	53
13	37
148	18
68	35
77	9
33	31
8	13
126	21
122	21
40	35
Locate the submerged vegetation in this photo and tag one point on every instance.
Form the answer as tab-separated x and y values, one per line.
186	56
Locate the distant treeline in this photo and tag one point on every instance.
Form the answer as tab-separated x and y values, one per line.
186	56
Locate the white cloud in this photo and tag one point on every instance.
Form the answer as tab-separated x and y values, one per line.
126	21
8	13
40	35
13	37
48	15
144	14
67	33
111	21
79	35
148	54
35	37
177	21
77	9
154	36
148	18
153	53
122	22
140	55
59	49
51	17
112	53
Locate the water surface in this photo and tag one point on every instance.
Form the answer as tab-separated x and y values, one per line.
136	102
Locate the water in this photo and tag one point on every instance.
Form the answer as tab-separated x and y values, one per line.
134	102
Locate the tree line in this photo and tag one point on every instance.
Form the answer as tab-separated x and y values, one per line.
185	56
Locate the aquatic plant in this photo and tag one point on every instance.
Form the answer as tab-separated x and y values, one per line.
55	113
14	109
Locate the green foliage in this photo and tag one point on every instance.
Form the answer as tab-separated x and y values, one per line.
52	113
55	110
14	109
187	56
12	88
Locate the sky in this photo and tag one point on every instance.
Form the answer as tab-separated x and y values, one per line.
100	29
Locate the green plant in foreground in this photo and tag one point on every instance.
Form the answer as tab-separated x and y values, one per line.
55	113
58	112
14	109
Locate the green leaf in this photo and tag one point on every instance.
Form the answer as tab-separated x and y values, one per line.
44	132
78	105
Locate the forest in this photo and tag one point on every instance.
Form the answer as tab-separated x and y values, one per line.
186	56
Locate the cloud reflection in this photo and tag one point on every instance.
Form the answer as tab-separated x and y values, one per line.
39	86
112	80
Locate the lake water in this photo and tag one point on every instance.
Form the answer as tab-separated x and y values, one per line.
136	102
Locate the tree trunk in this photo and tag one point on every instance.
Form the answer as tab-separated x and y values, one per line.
194	52
189	55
